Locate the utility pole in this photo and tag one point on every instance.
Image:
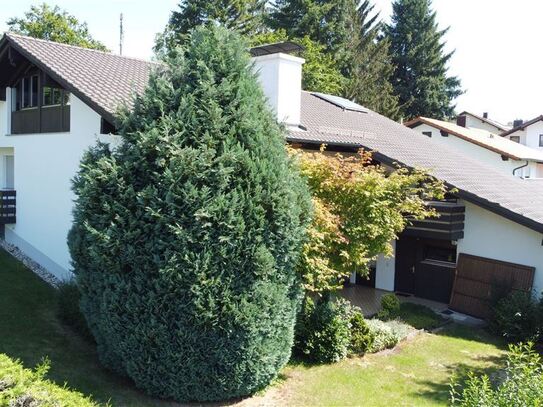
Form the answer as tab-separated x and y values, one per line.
121	35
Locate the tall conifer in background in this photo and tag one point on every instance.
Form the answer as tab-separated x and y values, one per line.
420	78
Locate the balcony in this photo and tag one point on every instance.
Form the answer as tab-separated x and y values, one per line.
7	206
449	225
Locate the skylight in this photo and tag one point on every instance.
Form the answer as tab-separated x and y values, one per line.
341	102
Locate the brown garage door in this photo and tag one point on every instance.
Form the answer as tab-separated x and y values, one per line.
479	281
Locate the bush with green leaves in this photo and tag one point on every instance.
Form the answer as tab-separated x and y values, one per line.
185	238
522	384
362	337
517	317
387	334
323	331
390	307
27	388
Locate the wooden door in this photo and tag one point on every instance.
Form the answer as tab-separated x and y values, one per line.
407	256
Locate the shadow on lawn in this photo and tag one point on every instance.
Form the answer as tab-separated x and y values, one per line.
439	392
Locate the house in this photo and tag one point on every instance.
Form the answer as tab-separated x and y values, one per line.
57	100
528	133
499	152
470	120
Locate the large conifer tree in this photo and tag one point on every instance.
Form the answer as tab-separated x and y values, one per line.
420	78
244	16
185	239
371	69
350	33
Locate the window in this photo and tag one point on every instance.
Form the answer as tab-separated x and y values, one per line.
26	93
541	140
39	105
427	133
55	97
516	139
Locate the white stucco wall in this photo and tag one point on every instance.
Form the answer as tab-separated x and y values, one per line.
479	153
385	269
44	166
489	235
530	135
479	124
280	76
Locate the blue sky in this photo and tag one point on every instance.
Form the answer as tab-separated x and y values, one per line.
498	44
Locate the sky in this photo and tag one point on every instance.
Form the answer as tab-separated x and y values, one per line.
498	52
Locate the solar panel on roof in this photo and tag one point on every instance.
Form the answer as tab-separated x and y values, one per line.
342	102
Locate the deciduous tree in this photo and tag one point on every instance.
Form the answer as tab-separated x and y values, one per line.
54	24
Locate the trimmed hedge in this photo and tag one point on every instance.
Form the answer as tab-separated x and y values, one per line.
24	387
185	239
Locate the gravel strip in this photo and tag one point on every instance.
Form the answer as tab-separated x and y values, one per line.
31	264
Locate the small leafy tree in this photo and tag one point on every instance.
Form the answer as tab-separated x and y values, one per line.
54	24
359	209
185	240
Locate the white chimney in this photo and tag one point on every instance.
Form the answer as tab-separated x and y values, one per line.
281	78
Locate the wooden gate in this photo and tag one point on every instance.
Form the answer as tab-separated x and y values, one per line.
480	280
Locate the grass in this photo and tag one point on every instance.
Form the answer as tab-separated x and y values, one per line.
419	316
30	331
416	374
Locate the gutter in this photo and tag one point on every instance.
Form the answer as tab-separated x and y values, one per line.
522	166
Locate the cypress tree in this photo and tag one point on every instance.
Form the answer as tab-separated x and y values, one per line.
420	78
185	238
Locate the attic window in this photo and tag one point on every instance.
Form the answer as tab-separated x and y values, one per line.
516	139
39	105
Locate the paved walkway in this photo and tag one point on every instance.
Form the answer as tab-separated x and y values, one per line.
369	301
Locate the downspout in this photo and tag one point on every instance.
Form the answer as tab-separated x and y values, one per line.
522	166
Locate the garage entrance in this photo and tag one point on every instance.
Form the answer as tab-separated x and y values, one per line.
425	268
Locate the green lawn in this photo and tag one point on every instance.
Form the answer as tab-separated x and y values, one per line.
416	374
30	331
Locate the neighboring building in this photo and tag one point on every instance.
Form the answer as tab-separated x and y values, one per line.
57	100
467	119
503	154
528	133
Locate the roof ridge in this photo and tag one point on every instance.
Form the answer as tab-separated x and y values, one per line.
14	34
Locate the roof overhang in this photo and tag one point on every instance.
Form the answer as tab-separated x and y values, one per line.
17	58
463	194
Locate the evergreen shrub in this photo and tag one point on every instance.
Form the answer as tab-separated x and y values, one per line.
186	237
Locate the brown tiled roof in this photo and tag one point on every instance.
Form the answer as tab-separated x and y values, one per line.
103	80
517	199
106	81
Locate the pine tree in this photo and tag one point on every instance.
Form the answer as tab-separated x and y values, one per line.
244	16
186	238
350	33
371	68
326	22
420	78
